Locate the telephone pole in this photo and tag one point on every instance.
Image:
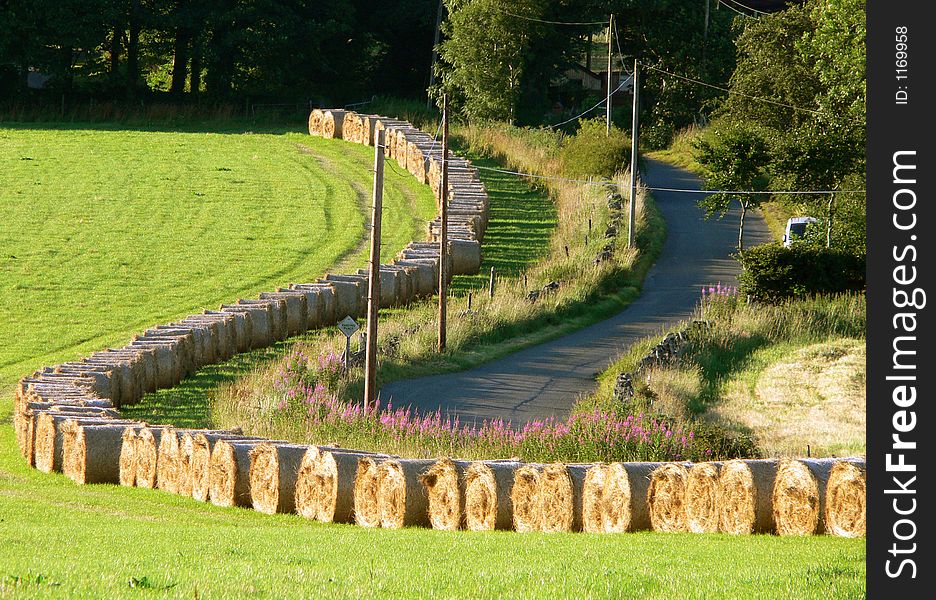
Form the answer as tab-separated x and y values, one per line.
608	99
373	281
635	132
443	225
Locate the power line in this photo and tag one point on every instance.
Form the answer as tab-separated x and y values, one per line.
548	22
665	189
735	10
742	94
616	90
745	6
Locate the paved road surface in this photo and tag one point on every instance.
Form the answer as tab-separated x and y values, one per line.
545	380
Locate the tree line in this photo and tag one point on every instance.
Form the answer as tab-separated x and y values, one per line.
321	50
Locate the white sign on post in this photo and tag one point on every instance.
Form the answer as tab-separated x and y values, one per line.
348	326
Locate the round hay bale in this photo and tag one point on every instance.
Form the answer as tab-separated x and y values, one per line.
401	498
146	455
325	484
167	461
845	510
524	498
624	498
559	498
316	120
702	498
592	503
49	447
242	326
666	498
229	472
445	489
92	452
332	121
127	462
744	498
466	256
273	472
350	127
366	492
487	495
202	445
799	495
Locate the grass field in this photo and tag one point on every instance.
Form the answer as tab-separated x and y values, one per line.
62	540
105	232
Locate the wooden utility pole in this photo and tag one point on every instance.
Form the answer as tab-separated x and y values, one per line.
635	133
435	53
373	280
443	225
608	99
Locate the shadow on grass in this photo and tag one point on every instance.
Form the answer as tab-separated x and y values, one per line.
521	221
189	403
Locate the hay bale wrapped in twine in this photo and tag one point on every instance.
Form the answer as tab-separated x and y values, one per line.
146	455
367	492
402	500
488	486
524	498
273	472
49	445
624	497
745	490
167	461
202	445
92	451
666	498
845	507
592	498
229	471
127	463
332	121
445	488
325	483
316	120
799	495
466	256
559	498
702	497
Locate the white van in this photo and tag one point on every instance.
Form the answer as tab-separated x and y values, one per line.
796	229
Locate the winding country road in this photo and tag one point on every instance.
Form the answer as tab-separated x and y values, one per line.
546	379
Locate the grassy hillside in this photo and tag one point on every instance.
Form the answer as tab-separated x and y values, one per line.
105	232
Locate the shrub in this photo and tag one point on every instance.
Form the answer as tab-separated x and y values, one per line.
771	272
592	152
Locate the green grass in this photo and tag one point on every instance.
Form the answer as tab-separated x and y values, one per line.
106	231
62	540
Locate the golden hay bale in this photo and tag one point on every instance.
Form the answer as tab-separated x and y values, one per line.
326	489
48	445
666	498
366	492
487	495
702	498
592	501
127	462
92	452
401	498
744	498
559	498
202	445
167	461
316	120
229	471
799	495
845	510
524	498
146	456
273	471
332	121
624	497
445	488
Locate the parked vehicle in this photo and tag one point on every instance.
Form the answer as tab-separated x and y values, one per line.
796	229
